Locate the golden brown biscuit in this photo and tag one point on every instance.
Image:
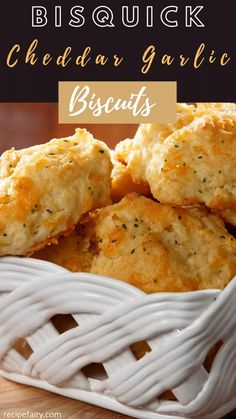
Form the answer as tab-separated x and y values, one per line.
153	246
137	152
45	189
190	162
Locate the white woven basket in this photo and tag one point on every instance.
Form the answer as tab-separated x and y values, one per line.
180	329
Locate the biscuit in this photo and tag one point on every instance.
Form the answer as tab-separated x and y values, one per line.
190	162
45	189
152	246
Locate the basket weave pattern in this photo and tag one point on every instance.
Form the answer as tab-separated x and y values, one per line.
179	328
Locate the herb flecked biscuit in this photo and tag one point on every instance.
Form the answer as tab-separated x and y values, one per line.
45	189
190	162
152	246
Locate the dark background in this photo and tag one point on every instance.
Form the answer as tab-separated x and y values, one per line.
25	83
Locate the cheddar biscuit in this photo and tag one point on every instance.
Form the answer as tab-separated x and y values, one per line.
188	163
45	189
151	246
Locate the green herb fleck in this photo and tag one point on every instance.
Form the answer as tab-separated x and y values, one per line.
50	212
204	179
200	157
176	145
132	251
124	226
135	225
222	237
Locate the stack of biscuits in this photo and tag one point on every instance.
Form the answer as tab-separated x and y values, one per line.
157	212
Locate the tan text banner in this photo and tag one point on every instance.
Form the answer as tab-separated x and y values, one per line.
117	102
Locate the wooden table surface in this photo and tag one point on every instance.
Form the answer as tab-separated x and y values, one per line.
22	399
